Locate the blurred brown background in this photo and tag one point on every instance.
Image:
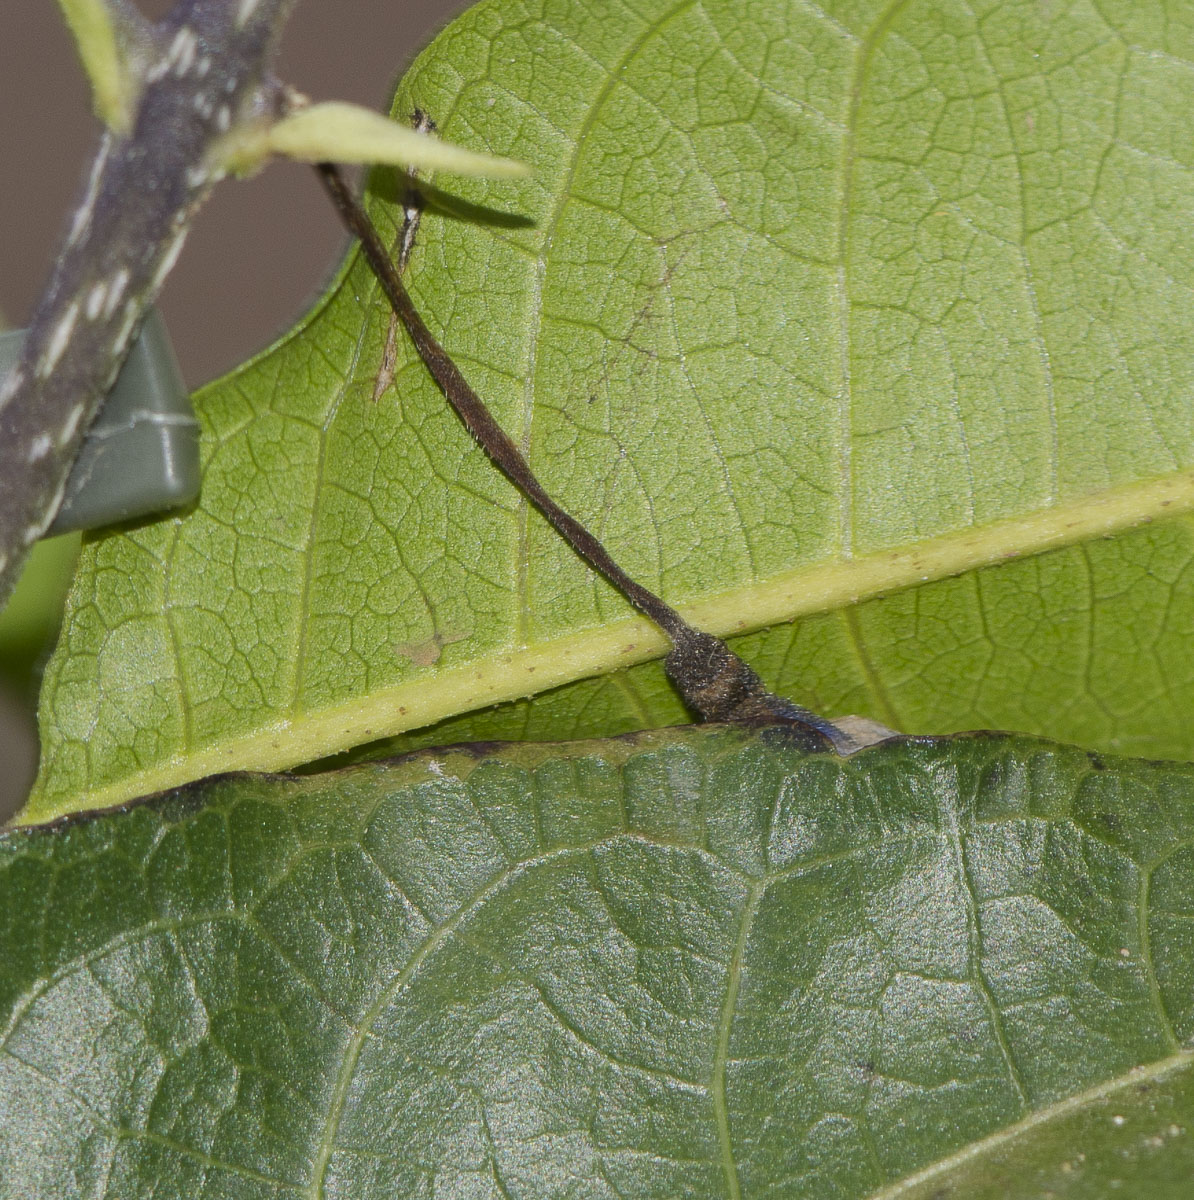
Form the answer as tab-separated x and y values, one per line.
257	253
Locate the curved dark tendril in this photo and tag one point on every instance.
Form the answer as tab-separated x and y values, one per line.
712	679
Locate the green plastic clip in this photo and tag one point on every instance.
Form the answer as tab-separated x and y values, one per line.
141	456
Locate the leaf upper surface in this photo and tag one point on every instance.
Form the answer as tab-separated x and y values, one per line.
805	305
689	962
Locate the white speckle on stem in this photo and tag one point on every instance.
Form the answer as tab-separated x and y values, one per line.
116	288
202	65
182	50
168	260
95	301
224	118
179	57
197	176
58	341
131	313
8	389
245	11
40	447
34	531
82	217
71	426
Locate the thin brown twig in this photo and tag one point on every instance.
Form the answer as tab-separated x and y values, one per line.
713	680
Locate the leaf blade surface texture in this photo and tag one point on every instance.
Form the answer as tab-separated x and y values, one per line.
819	316
688	962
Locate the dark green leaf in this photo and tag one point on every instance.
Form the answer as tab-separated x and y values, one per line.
685	963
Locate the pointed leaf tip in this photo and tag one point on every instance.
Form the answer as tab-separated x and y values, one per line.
337	131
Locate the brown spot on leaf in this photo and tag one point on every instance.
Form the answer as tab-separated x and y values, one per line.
427	653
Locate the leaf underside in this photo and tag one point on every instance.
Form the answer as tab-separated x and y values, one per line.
818	315
691	962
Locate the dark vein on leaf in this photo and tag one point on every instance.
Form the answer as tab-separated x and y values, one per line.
884	707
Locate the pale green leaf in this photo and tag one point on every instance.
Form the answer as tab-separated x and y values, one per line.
693	963
803	306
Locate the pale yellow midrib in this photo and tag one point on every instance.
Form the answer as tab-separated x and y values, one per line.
801	592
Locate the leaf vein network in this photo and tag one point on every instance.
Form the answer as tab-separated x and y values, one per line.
534	316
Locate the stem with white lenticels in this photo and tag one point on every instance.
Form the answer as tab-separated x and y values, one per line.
200	72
